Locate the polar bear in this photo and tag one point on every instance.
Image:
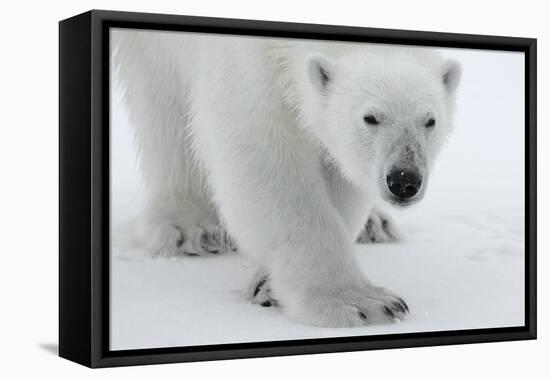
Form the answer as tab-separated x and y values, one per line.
280	148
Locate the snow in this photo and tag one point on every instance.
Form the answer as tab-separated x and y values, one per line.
461	266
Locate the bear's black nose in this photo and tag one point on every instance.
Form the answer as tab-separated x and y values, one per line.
404	183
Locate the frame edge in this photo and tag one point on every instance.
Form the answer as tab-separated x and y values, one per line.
75	274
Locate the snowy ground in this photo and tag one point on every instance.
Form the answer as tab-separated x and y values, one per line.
461	267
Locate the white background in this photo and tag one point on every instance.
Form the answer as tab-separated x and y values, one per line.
28	162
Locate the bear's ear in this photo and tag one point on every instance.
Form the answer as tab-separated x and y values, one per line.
320	71
451	73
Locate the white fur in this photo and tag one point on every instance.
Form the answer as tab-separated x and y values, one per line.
242	133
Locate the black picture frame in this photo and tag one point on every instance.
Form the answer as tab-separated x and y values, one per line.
84	188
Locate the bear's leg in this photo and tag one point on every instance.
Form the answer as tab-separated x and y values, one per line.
272	195
178	217
379	228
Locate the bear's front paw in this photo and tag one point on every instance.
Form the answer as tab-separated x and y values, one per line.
380	228
170	240
259	291
351	307
198	240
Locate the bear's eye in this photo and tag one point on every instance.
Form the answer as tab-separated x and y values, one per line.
430	123
370	119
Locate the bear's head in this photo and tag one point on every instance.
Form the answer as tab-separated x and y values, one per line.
383	114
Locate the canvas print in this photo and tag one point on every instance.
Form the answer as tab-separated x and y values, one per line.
266	189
